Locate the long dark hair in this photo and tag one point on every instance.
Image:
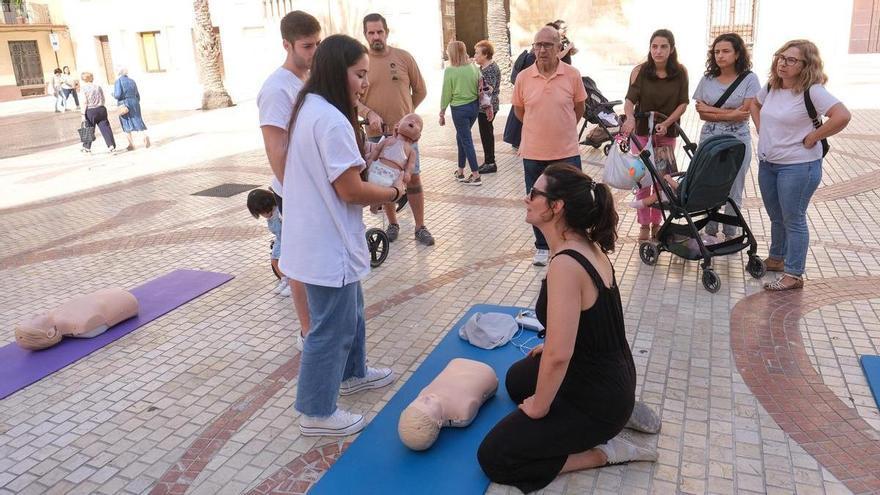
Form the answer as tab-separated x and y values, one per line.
743	61
589	206
673	68
329	79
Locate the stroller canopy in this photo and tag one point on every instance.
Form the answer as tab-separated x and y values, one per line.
711	174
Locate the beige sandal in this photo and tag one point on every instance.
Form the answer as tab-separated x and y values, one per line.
780	284
644	233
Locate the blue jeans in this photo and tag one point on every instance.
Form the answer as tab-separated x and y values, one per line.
786	190
533	170
335	348
463	118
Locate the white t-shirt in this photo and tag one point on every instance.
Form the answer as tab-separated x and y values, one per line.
330	248
275	101
785	123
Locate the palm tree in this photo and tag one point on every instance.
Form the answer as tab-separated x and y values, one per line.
497	17
208	53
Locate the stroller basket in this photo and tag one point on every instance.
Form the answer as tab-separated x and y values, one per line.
686	210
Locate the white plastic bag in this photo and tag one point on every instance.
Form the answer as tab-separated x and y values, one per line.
623	170
626	171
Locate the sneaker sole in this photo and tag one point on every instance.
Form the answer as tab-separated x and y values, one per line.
472	183
378	383
323	431
539	263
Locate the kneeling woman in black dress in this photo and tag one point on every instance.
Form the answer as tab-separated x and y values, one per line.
576	391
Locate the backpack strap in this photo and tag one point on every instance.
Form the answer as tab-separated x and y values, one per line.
814	116
730	89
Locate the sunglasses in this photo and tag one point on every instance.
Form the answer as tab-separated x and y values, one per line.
537	192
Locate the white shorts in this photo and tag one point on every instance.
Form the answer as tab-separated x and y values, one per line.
382	175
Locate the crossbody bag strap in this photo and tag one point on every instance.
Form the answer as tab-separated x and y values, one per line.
730	89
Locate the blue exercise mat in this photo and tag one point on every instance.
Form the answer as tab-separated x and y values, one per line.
871	367
378	462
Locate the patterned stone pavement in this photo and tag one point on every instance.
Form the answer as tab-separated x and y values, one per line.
759	393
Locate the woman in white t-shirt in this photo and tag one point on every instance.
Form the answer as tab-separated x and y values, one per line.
324	198
790	154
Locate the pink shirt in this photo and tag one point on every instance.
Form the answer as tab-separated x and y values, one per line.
549	128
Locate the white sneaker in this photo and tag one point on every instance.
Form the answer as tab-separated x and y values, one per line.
283	284
339	424
375	378
542	256
300	341
285	292
628	447
644	419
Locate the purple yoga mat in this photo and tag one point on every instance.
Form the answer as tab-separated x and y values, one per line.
20	367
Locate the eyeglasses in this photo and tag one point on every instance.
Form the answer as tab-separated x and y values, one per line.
537	192
788	61
543	46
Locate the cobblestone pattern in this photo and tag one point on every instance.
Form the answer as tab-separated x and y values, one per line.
201	399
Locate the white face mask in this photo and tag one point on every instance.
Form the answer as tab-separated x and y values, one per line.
489	330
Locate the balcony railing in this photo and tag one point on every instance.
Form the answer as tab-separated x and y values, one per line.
26	13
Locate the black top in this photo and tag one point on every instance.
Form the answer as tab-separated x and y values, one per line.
601	376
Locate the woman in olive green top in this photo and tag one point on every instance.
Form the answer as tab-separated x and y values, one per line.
460	92
660	84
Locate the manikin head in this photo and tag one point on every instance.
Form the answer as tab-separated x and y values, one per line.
410	127
420	422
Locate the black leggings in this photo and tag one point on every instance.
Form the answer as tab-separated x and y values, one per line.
529	453
487	137
98	118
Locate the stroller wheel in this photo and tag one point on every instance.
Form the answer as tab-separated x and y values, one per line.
756	267
711	281
649	253
377	243
606	149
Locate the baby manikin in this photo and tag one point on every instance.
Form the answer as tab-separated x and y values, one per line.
84	317
451	399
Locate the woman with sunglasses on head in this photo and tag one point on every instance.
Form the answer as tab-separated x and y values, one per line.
790	154
724	99
660	84
576	391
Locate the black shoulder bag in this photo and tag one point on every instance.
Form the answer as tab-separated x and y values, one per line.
817	122
731	89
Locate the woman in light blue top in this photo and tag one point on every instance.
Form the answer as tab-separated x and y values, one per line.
728	64
460	92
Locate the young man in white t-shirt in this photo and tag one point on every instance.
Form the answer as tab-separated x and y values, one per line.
300	34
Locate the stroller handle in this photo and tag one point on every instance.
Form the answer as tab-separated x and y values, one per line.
689	147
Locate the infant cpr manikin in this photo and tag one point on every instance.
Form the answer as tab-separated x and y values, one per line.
451	399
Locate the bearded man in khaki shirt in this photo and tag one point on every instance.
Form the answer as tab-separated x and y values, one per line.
396	89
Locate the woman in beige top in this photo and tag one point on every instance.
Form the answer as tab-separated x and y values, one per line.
94	112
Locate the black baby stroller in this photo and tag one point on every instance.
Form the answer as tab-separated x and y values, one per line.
599	111
697	200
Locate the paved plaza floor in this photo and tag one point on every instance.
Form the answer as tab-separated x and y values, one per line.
758	392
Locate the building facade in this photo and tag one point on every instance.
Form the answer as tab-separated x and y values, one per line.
154	40
33	42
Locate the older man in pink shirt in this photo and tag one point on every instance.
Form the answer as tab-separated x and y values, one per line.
548	98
